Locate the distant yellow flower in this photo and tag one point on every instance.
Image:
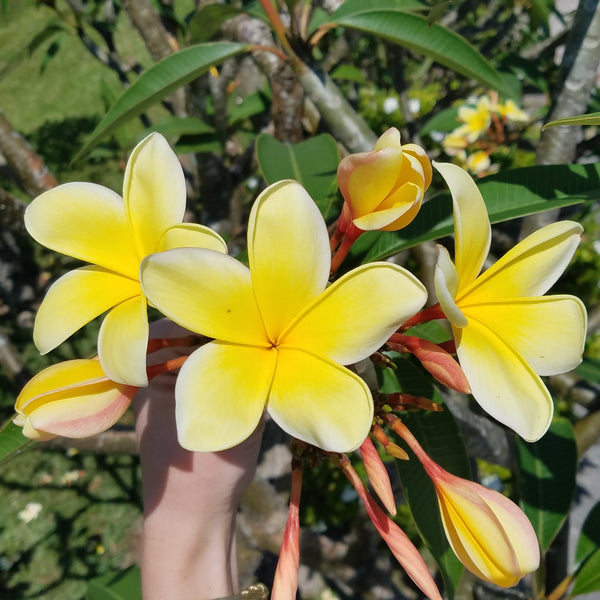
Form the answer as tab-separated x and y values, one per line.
281	335
94	224
506	331
384	188
476	119
478	162
72	399
512	112
454	143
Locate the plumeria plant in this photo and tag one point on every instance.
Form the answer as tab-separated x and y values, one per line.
280	334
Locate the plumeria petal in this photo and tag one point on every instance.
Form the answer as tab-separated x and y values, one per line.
288	250
86	221
72	399
446	285
532	266
205	291
501	379
191	235
405	201
358	313
221	392
419	153
75	299
153	191
472	232
320	402
123	341
548	331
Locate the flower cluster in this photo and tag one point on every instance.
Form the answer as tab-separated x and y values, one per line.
486	126
279	336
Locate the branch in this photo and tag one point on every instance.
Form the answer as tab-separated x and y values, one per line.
27	165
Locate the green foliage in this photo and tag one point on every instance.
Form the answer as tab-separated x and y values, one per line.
119	585
587	555
313	163
11	440
546	481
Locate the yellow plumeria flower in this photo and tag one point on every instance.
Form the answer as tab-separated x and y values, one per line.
476	119
383	189
507	333
512	112
478	162
281	335
94	224
72	399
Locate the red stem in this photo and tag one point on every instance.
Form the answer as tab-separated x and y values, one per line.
429	314
351	235
169	365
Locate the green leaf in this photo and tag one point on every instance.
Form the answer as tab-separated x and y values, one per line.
243	108
445	121
413	32
508	195
177	126
349	73
353	7
159	81
589	538
207	21
116	585
438	433
589	369
313	163
11	440
546	481
589	119
588	578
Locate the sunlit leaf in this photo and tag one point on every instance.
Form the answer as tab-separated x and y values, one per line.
207	21
508	195
546	481
159	81
313	163
412	31
589	538
177	126
589	119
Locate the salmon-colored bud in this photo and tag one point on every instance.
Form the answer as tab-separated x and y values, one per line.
384	188
435	359
378	475
390	447
397	541
489	533
285	583
73	399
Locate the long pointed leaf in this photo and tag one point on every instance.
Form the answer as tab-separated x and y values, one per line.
413	32
11	440
159	81
546	481
508	195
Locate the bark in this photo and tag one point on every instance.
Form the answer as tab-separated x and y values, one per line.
577	79
11	212
26	164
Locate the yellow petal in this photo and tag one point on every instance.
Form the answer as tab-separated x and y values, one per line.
420	154
548	332
154	192
531	267
191	235
72	399
502	382
288	250
123	342
75	299
320	402
358	313
472	233
398	209
205	291
220	394
446	284
388	139
86	221
365	179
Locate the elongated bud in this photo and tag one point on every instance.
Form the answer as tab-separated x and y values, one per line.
378	475
73	399
489	533
402	548
285	584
